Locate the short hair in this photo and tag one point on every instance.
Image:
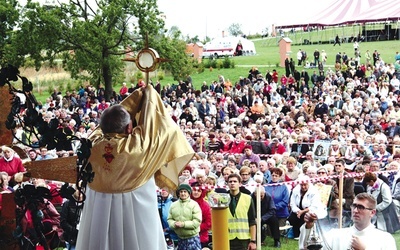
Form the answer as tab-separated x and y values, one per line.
291	159
341	162
254	163
370	176
359	169
114	119
277	171
244	169
234	175
366	196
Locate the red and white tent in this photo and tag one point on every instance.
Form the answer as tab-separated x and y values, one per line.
351	11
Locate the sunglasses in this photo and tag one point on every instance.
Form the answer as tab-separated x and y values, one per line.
359	207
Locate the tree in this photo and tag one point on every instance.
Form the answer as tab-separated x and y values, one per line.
9	16
174	49
90	36
235	29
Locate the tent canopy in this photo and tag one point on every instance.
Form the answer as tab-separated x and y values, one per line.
351	11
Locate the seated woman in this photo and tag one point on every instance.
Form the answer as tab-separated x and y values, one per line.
305	198
4	187
268	217
386	216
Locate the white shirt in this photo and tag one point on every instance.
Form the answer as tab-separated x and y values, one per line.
339	239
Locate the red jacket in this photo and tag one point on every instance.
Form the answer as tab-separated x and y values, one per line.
277	149
237	148
206	216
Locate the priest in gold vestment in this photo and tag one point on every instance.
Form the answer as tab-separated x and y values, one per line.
120	210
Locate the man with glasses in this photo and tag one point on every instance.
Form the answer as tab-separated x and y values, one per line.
300	149
362	235
241	217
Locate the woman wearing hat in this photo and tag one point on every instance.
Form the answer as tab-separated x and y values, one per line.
184	218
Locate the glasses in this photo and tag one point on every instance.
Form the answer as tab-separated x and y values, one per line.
359	207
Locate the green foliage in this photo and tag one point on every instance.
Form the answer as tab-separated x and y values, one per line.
50	89
160	75
138	75
9	15
227	63
219	64
69	87
60	88
235	29
200	68
89	42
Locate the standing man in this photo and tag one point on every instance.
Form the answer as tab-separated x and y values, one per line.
316	57
362	235
348	184
299	58
241	217
368	57
337	40
120	209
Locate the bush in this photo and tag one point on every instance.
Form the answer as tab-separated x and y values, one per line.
232	64
200	68
50	89
160	75
219	64
213	64
69	87
139	75
206	63
227	62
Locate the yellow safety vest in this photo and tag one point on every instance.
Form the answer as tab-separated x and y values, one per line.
239	225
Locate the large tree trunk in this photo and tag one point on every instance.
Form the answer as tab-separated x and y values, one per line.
107	81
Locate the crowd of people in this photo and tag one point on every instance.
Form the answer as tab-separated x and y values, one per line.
262	129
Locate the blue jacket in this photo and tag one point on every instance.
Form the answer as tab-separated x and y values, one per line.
163	208
280	195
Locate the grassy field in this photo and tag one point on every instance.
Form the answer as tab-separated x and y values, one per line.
267	58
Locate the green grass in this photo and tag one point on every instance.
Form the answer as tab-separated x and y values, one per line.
268	54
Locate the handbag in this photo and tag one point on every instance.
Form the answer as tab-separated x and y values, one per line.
389	214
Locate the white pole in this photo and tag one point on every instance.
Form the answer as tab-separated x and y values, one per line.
258	220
